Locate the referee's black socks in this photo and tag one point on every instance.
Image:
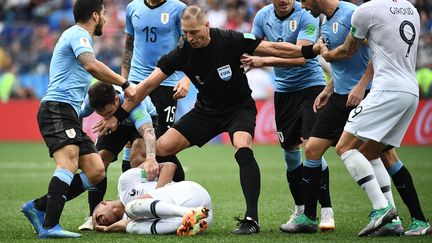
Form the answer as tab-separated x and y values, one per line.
250	180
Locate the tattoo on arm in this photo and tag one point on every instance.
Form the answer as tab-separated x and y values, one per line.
148	133
351	45
86	57
127	53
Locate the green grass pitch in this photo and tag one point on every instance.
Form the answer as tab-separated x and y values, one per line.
25	170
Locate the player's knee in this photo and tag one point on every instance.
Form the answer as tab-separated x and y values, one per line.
240	145
341	148
96	175
312	151
164	148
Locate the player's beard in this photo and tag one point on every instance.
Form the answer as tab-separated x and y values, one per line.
98	29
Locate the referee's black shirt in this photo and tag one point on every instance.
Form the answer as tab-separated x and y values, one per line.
215	69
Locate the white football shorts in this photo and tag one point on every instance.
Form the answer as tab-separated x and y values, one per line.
383	116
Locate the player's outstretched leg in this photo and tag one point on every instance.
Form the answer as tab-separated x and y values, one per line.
35	216
378	218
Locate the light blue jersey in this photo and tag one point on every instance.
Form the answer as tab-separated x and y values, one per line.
345	73
299	25
68	80
140	115
156	31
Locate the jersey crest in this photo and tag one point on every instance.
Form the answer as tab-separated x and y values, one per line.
164	18
335	27
225	72
293	25
71	133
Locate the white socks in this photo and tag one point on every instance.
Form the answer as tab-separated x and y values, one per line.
361	170
152	208
383	179
154	226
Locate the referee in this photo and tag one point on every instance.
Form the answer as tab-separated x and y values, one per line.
210	57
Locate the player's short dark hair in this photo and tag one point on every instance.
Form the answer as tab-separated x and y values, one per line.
84	9
101	94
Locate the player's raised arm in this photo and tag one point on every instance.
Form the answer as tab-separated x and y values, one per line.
150	164
101	72
127	56
286	50
345	51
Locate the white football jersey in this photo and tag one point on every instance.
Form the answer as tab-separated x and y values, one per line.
392	28
132	184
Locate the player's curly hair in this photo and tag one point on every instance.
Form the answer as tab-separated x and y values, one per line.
101	94
84	9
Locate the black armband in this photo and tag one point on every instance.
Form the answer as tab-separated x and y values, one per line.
125	85
121	114
308	52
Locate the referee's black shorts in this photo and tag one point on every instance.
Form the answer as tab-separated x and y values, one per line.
294	115
60	126
198	127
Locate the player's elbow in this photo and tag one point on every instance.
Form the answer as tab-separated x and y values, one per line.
91	67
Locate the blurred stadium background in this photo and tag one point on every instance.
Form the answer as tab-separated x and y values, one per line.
28	32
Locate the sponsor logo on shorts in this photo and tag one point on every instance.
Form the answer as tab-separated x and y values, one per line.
70	133
133	192
281	137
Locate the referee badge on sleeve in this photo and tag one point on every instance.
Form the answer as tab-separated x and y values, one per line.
225	72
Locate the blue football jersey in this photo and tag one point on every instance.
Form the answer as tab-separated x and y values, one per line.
68	80
299	25
345	73
156	31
